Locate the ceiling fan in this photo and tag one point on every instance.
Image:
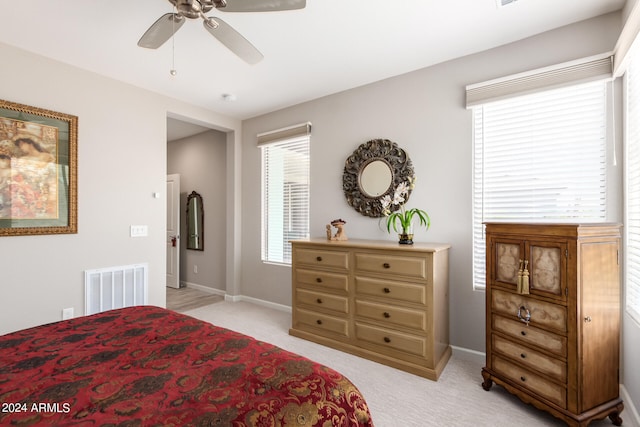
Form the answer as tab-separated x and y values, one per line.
167	25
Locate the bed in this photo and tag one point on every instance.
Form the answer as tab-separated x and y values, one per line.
148	366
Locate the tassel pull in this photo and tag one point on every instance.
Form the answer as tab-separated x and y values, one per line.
519	281
525	279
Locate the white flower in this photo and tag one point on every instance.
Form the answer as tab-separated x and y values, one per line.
403	188
385	202
398	198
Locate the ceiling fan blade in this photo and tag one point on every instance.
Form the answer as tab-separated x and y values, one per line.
262	5
233	40
161	31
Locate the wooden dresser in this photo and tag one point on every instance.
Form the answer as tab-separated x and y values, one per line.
553	317
376	299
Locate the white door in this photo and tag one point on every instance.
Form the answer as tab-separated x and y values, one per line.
173	231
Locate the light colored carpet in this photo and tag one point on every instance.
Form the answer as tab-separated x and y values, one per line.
395	398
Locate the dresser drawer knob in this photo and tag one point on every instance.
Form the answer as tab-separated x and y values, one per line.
588	319
319	301
386	315
524	356
387	339
523	379
523	333
319	258
319	280
386	290
386	265
319	322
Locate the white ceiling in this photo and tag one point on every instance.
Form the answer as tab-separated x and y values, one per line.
328	47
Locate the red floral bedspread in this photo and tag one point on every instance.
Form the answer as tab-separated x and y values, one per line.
147	366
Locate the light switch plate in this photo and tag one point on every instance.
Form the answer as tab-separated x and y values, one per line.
139	230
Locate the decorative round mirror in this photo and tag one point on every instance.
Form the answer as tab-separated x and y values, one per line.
373	171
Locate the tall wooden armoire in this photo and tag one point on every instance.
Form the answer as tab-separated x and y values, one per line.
553	317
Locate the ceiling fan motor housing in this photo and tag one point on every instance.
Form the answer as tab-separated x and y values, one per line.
195	8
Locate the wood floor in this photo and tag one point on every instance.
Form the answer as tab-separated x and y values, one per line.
185	299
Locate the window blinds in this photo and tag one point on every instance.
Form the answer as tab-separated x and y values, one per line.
632	223
285	191
566	74
539	158
294	131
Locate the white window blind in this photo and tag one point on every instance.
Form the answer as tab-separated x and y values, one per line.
632	223
285	196
539	158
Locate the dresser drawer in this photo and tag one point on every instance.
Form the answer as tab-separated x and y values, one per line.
520	332
321	324
318	257
399	291
529	358
543	314
323	279
394	340
322	300
389	314
391	264
538	384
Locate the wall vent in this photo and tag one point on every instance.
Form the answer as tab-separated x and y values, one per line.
115	287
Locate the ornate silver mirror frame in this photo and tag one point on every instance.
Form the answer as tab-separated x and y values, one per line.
373	171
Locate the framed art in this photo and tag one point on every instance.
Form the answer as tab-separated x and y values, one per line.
38	171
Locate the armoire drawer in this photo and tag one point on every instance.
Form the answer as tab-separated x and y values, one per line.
391	264
323	279
538	384
540	313
318	257
387	289
386	314
532	359
320	322
520	332
322	300
406	343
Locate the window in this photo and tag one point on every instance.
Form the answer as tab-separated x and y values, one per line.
632	199
539	158
285	195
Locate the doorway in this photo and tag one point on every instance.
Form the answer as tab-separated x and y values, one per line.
198	155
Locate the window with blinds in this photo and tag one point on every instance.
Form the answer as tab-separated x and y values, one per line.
539	158
632	223
285	196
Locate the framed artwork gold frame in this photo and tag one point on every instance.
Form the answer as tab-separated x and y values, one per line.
38	171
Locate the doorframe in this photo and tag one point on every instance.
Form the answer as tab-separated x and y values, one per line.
232	129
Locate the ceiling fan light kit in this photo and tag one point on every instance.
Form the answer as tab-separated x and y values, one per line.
167	25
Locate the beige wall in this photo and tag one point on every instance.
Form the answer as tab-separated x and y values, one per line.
122	155
424	112
201	162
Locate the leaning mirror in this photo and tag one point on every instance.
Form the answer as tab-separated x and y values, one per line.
372	171
195	222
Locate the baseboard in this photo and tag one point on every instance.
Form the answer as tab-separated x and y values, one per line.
256	301
630	414
203	288
469	355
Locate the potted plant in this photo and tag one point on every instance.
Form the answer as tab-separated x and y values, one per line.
401	219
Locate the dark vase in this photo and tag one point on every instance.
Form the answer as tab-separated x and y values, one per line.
406	237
